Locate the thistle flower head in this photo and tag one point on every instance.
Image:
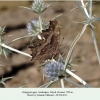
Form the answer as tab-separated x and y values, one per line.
3	51
39	6
33	27
54	69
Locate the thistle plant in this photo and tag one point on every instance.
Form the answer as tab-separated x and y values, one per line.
2	81
34	27
89	22
54	70
61	70
38	7
3	51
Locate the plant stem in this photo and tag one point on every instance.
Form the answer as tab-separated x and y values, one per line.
82	10
15	50
85	10
93	35
95	43
62	83
27	36
90	9
73	45
78	78
40	23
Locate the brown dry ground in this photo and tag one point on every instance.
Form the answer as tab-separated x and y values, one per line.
19	66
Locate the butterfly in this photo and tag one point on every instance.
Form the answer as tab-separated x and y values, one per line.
49	46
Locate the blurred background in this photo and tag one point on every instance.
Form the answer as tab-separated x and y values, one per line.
24	72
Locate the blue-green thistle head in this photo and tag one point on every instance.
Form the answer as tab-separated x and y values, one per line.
33	27
39	6
54	70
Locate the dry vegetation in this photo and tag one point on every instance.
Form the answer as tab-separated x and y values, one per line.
24	71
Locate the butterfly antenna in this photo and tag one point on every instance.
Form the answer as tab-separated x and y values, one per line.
64	45
62	41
